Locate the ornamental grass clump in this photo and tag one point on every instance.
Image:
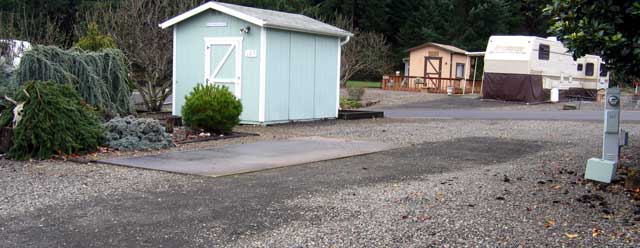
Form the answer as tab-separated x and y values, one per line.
211	108
54	121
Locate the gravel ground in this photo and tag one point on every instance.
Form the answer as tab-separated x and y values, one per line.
387	99
520	185
538	200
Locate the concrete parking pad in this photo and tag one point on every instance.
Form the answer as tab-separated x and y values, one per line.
243	158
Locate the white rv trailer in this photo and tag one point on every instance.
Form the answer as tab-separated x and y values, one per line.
525	68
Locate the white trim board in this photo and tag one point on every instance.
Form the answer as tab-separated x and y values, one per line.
235	44
262	101
338	80
214	6
174	110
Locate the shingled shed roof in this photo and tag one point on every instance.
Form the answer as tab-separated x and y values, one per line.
264	18
442	46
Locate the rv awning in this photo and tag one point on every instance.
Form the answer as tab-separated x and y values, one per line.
475	54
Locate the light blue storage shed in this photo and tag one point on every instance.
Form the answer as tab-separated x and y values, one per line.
283	67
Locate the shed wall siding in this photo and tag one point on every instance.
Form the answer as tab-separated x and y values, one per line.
277	77
190	50
326	75
301	76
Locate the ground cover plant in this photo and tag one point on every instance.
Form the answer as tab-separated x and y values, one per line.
212	109
54	121
346	103
363	84
134	134
100	77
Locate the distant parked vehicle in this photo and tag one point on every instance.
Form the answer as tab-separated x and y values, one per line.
526	68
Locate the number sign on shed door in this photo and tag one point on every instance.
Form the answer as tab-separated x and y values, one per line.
223	57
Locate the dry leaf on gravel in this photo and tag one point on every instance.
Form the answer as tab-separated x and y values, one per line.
549	223
596	232
571	235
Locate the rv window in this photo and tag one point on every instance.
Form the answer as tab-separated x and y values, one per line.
603	70
459	70
580	67
589	70
543	52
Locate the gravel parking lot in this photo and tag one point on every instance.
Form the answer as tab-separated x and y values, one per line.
456	183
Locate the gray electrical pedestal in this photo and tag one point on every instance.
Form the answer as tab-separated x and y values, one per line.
604	169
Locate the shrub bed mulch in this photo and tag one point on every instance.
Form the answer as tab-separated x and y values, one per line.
6	139
91	158
192	138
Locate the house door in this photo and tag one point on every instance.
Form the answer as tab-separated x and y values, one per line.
433	70
222	65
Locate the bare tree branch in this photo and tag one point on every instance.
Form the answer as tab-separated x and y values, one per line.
134	27
366	52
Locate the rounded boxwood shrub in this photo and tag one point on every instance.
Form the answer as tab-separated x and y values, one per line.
55	121
211	108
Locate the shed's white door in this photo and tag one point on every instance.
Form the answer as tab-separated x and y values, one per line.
223	63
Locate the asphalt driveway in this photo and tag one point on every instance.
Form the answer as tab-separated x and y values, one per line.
469	107
504	114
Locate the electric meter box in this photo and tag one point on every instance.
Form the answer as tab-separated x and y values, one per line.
600	170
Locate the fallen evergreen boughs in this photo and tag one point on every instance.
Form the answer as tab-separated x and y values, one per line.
211	108
134	134
100	77
55	121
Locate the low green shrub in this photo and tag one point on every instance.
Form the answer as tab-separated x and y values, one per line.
136	134
355	93
211	108
54	121
349	104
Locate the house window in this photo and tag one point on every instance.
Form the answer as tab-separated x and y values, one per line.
589	70
603	70
580	67
459	70
543	52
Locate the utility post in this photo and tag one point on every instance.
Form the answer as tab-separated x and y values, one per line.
604	169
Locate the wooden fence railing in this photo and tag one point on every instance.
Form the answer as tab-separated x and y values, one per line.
429	84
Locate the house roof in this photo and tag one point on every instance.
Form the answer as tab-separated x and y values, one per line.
264	18
442	46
